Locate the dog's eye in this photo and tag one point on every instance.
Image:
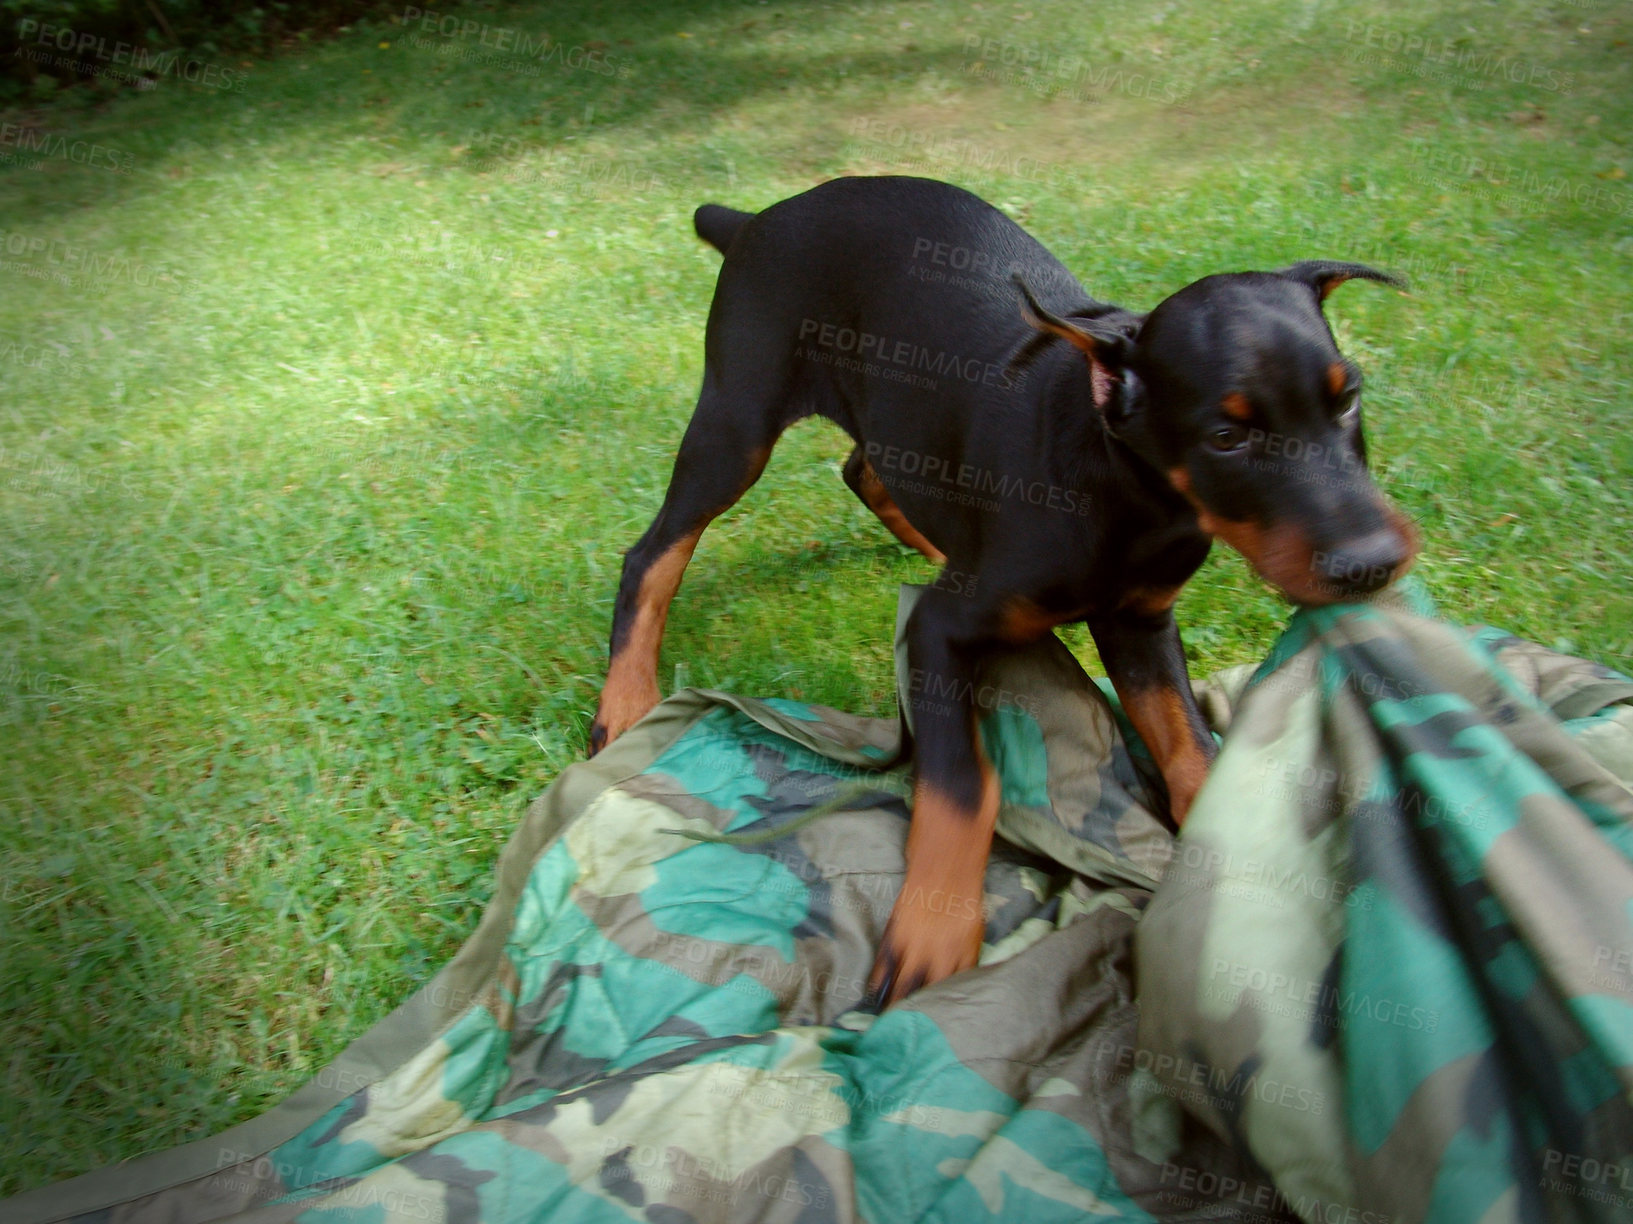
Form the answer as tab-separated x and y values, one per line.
1228	438
1349	407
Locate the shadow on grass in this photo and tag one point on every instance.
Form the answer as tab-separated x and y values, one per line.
533	78
836	566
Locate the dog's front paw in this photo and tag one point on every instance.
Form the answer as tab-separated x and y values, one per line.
932	934
618	711
598	736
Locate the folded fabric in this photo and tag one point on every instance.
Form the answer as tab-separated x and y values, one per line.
1424	917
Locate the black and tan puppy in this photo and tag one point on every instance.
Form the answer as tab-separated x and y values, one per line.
1069	461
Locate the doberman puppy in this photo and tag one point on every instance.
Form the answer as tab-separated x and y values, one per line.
1068	463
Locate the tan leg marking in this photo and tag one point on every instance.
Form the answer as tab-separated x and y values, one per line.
1150	601
1022	621
939	918
1159	715
631	689
877	499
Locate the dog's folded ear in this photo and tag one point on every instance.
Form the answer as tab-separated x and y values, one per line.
1325	275
1106	349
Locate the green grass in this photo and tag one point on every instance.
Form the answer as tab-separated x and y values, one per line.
311	519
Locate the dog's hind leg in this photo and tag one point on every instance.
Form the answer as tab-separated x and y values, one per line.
865	483
723	453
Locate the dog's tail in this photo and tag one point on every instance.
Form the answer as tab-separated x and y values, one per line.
718	225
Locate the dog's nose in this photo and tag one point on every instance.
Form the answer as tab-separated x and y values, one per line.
1364	565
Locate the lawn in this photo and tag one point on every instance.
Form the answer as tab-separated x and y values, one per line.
331	397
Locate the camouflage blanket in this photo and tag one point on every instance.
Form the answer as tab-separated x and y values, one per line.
1425	916
1386	975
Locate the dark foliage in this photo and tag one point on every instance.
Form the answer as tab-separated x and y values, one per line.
105	45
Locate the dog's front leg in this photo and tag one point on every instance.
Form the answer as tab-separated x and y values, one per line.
1146	663
936	926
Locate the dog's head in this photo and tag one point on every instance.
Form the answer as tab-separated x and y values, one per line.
1234	390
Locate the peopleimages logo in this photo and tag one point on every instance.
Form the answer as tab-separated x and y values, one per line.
82	152
81	51
935	686
670	1168
531	51
951	153
1489	177
1046	70
1187	1079
1474	63
937	476
904	356
1284	994
69	263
